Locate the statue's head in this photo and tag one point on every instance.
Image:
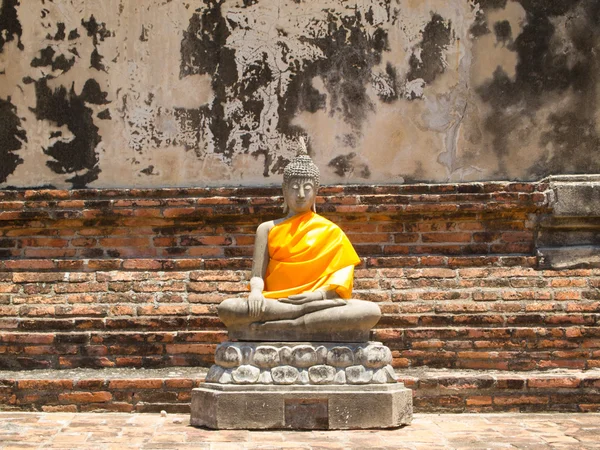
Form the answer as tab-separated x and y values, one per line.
300	182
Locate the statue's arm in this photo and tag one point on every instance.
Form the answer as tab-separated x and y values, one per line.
327	292
260	261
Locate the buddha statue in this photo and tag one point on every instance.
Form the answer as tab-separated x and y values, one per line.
302	274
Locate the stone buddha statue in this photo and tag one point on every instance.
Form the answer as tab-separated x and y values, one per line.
302	274
304	360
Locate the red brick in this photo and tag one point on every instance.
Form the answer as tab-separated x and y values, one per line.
27	338
34	311
180	212
85	397
68	362
80	298
554	383
121	310
483	365
80	277
434	260
165	241
567	295
45	385
124	242
142	383
90	384
479	400
520	400
179	383
568	282
44	242
50	350
523	236
202	287
206	251
131	361
109	264
202	309
589	407
122	276
37	277
48	253
429	273
86	287
9	288
446	237
162	310
142	264
86	310
95	350
59	408
201	349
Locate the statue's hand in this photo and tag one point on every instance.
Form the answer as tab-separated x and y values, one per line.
256	304
301	299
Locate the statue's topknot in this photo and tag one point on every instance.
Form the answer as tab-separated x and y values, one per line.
302	166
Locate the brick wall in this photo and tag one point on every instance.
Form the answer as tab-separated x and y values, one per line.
131	278
413	221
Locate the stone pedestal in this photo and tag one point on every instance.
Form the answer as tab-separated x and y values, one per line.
301	385
301	407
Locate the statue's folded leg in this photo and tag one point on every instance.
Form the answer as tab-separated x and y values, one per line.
353	315
235	312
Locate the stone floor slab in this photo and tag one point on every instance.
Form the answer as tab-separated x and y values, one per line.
427	432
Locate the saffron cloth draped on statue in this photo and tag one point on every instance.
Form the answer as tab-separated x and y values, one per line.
307	252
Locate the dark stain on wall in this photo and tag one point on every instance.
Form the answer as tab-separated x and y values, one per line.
191	119
11	137
98	32
47	59
430	64
9	23
204	51
63	107
345	164
503	32
60	33
544	70
391	77
350	54
480	26
73	34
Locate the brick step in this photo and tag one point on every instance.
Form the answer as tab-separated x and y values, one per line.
169	389
522	348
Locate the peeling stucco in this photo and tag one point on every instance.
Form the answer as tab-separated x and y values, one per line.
154	93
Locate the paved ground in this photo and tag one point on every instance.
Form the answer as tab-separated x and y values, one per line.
428	432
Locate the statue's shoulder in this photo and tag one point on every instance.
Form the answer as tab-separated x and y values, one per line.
324	222
265	227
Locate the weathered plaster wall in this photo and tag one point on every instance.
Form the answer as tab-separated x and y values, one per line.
116	93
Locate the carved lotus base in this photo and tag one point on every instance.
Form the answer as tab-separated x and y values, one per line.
302	363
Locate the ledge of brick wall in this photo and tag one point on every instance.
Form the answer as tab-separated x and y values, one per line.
452	220
154	390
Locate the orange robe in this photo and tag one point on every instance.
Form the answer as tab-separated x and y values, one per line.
307	252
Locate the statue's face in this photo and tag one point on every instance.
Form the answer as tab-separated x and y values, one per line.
300	194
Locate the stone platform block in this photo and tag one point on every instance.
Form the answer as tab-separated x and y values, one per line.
299	407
